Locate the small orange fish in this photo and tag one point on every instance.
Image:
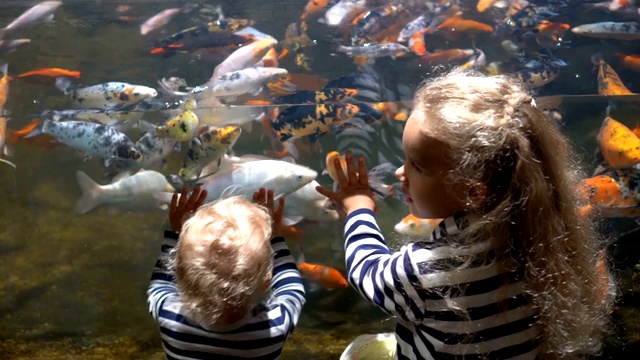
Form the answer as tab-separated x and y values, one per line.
415	227
16	135
50	72
442	57
606	197
483	5
325	276
4	86
548	27
631	62
609	82
417	43
330	165
313	7
458	24
618	144
45	141
296	82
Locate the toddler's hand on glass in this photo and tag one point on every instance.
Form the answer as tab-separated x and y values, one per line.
265	198
353	192
182	209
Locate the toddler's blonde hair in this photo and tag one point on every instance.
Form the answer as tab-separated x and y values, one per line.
498	138
223	259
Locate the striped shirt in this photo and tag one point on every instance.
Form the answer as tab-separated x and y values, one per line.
413	285
260	335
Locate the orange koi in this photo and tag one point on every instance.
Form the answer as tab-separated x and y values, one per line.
483	5
4	86
415	227
618	144
325	276
392	110
607	198
331	168
296	82
313	8
271	58
609	82
458	24
631	62
417	43
440	57
548	27
50	72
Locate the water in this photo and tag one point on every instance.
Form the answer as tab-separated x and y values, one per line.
74	285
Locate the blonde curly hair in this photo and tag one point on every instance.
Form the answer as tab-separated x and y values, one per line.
223	259
498	138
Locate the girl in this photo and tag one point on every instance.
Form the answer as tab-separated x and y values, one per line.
509	271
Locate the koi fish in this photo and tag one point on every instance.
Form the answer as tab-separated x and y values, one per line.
327	95
416	228
417	43
4	86
609	30
3	149
10	45
538	73
343	12
42	10
50	72
411	28
311	121
45	141
245	81
134	192
606	196
379	23
618	144
457	24
296	82
375	50
154	151
483	5
200	38
631	62
159	20
92	139
110	95
313	7
325	276
609	82
244	57
441	57
210	146
308	204
181	128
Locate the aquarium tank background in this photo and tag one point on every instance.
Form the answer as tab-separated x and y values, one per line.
74	277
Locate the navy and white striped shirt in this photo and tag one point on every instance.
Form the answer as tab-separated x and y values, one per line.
411	284
260	335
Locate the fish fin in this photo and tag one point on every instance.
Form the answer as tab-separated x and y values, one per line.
8	163
8	150
292	220
48	19
63	83
90	192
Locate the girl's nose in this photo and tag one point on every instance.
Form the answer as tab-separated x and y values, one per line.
400	173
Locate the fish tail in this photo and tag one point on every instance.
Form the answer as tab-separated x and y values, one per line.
15	136
90	192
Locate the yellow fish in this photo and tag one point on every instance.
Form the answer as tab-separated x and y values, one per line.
208	147
183	127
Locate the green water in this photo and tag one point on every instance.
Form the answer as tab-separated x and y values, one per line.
73	286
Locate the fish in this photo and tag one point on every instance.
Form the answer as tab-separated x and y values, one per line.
90	138
537	73
457	24
608	198
342	12
311	121
609	30
618	144
483	5
245	81
39	11
107	96
376	24
154	150
375	50
440	57
244	179
416	228
631	62
327	277
11	45
135	192
307	204
3	146
214	41
208	147
417	43
50	72
121	120
4	86
327	95
414	26
244	57
313	8
609	83
159	20
182	128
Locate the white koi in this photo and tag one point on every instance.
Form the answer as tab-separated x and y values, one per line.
159	20
10	45
244	57
110	95
136	192
42	10
341	13
245	81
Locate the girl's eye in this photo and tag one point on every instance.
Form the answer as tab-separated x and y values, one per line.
415	166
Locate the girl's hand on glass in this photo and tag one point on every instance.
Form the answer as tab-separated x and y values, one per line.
265	198
353	192
184	208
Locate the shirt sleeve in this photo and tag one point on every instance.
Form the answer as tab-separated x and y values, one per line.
286	283
384	278
163	283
